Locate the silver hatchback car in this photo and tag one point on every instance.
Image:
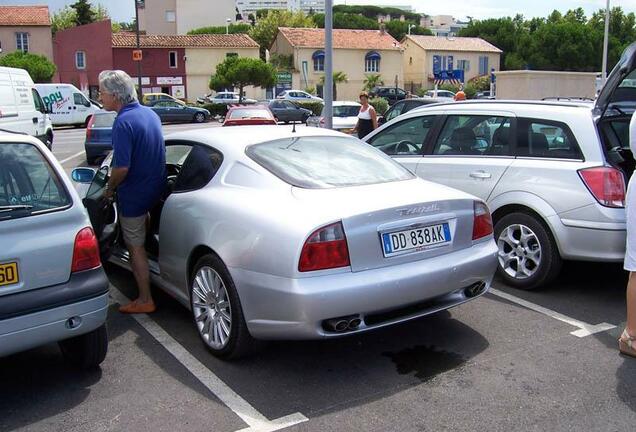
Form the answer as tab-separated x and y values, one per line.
553	174
52	285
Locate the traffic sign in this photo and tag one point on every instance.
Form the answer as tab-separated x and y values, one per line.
136	55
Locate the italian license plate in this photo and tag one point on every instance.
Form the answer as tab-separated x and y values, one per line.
415	239
8	273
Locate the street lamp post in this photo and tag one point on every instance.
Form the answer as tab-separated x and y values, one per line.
328	90
605	43
410	27
227	25
138	46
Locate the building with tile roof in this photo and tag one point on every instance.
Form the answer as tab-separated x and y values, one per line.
26	28
357	53
180	65
425	56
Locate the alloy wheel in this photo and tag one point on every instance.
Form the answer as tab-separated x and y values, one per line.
211	308
519	251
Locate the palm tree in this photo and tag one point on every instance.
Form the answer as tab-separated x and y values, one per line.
338	78
373	80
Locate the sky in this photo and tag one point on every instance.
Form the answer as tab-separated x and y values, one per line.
124	10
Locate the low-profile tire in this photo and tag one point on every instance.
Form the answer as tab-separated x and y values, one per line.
528	255
199	118
88	350
221	326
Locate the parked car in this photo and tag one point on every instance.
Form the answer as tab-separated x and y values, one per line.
66	104
276	233
404	106
345	116
99	136
484	95
298	96
391	94
552	173
227	98
249	115
286	111
170	111
22	110
442	95
149	98
52	285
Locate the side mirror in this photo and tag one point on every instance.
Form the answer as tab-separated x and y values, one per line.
83	175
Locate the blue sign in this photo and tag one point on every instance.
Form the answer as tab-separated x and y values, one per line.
450	75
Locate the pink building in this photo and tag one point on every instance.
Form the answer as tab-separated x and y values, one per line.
81	53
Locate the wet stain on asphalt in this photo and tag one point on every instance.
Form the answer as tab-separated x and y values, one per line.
425	361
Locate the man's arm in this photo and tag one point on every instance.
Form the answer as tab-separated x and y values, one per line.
117	176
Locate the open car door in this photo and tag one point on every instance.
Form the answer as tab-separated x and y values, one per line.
102	213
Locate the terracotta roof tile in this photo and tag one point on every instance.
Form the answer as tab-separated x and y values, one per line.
24	16
440	43
128	40
342	38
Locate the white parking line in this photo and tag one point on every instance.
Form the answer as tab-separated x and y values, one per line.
71	157
257	422
585	329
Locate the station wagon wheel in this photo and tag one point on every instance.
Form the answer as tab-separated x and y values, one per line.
216	309
199	117
528	255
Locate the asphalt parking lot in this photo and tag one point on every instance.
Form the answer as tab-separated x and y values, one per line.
510	360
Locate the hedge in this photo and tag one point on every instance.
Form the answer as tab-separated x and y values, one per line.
315	107
381	105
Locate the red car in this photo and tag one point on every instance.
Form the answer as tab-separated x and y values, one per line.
249	115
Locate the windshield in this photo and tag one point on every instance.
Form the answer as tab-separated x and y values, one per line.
249	113
104	120
28	183
324	162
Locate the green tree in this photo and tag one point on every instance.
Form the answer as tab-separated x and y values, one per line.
347	21
338	78
372	80
231	29
84	13
67	17
241	72
38	66
399	29
266	28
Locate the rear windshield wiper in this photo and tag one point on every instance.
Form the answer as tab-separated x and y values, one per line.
9	208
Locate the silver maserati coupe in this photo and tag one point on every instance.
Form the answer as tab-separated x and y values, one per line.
284	233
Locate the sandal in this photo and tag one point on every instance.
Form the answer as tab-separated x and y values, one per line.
627	344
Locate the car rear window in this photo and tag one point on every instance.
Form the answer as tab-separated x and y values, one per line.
346	111
104	120
249	113
28	183
324	162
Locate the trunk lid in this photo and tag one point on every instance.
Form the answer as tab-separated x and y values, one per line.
618	95
369	212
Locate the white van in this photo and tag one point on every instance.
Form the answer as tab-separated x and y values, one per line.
21	108
67	104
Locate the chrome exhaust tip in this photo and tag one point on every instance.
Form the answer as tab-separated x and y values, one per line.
475	289
354	323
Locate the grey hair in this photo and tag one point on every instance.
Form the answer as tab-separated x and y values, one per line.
119	84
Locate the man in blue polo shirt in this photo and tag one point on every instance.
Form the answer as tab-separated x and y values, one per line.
138	173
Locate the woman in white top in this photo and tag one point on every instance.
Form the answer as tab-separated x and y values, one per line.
367	118
627	341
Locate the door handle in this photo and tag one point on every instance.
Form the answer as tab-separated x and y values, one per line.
480	175
35	120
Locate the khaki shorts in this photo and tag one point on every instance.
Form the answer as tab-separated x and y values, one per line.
134	229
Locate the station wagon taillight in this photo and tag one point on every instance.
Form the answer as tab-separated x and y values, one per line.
89	126
607	184
85	251
326	248
482	222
